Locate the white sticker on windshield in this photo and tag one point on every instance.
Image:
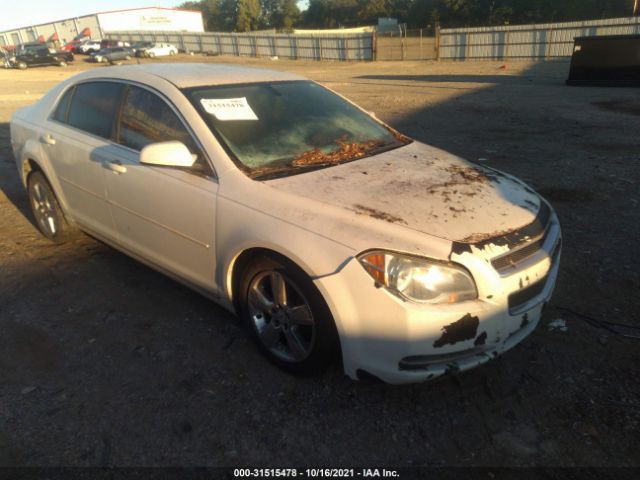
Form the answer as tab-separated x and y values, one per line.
225	109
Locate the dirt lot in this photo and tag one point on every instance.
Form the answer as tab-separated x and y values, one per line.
105	362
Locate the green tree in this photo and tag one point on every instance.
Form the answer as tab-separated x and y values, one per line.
282	14
370	10
247	15
244	15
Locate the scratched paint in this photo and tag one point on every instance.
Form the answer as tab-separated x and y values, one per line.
458	331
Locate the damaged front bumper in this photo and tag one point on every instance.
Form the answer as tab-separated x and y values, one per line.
399	342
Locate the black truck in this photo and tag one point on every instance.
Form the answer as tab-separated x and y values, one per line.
39	55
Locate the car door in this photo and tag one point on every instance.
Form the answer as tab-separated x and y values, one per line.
166	215
32	58
38	56
76	139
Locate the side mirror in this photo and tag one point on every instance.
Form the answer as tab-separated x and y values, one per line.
167	154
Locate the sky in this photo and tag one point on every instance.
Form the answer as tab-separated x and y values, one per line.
23	13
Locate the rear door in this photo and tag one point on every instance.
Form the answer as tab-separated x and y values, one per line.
77	139
164	214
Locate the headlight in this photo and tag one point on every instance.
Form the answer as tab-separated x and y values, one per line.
418	279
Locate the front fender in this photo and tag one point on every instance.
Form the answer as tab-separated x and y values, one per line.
241	228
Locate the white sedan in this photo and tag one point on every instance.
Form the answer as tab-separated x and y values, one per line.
332	236
158	50
90	46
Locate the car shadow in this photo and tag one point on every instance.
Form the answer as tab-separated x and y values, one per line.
10	184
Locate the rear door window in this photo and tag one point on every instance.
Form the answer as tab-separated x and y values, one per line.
94	107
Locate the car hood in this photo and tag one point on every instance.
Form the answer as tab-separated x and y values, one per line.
424	189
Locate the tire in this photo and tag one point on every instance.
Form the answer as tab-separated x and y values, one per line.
172	52
295	329
128	57
49	217
21	65
62	63
152	55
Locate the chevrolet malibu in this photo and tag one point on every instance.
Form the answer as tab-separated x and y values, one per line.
331	235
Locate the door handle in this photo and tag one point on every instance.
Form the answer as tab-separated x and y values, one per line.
115	166
48	139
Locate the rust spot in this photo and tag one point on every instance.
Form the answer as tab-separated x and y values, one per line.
459	331
471	174
481	339
463	176
372	212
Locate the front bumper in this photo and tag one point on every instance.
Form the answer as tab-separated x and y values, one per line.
403	342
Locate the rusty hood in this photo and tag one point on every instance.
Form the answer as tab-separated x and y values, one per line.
424	189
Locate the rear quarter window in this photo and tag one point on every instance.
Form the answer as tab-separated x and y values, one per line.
60	113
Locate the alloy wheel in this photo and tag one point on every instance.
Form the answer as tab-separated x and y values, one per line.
281	316
44	209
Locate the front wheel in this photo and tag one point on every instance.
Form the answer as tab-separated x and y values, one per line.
46	210
22	65
287	316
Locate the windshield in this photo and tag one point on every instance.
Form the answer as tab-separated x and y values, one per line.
274	129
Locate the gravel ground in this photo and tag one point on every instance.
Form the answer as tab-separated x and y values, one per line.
104	362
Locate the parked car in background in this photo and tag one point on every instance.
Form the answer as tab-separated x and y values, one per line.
113	54
109	43
89	47
38	56
23	47
71	46
137	46
330	234
157	50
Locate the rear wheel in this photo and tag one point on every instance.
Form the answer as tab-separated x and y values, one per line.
21	65
46	210
287	316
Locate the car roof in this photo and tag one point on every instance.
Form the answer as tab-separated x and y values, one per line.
186	75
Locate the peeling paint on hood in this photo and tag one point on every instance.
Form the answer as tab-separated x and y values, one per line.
424	189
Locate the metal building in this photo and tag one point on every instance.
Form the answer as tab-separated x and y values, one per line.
97	25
